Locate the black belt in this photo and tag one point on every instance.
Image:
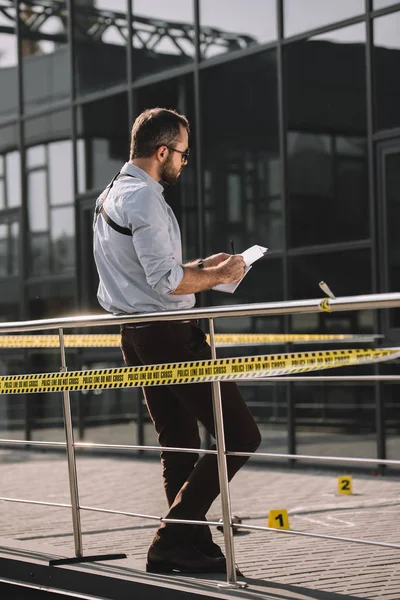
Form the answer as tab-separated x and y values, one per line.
154	323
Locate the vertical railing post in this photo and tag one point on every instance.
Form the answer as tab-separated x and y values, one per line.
72	475
223	474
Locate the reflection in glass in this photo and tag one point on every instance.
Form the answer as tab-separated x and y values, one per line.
39	255
61	172
13	189
62	239
163	35
8	61
386	56
100	33
45	57
229	25
36	156
327	165
304	15
241	155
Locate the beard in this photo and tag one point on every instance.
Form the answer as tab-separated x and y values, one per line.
169	174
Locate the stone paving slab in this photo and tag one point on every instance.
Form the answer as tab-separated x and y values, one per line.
284	562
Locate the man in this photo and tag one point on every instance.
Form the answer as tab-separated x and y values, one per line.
138	253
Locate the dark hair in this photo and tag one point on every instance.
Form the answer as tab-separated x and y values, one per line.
153	128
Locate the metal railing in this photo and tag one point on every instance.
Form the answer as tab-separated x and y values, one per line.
374	301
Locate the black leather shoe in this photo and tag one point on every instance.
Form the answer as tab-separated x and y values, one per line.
184	558
203	540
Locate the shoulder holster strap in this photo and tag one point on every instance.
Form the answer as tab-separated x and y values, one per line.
100	209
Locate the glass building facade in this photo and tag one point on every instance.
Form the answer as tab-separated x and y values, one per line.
295	145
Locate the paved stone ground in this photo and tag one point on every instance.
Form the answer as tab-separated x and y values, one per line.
312	566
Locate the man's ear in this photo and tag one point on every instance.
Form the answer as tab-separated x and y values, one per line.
161	153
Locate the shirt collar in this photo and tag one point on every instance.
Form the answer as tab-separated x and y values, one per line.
140	174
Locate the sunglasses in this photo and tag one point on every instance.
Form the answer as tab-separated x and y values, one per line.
184	154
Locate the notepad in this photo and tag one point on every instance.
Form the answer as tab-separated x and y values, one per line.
250	256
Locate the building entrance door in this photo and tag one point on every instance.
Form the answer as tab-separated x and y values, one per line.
389	202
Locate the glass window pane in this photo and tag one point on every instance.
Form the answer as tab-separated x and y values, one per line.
14	248
51	126
37	202
8	61
50	299
163	35
100	32
3	249
103	128
62	239
386	55
36	156
45	63
347	272
392	197
335	419
326	142
13	189
61	172
241	155
229	25
2	195
304	15
39	254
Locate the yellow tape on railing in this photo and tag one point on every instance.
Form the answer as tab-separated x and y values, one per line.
113	340
192	372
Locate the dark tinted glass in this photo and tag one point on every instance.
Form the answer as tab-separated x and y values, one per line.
326	143
392	197
391	394
51	299
100	33
163	35
229	25
335	420
178	94
8	61
241	155
45	63
103	141
347	273
386	69
304	15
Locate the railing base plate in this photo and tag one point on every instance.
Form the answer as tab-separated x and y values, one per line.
82	559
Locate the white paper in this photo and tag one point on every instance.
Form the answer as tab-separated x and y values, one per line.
250	256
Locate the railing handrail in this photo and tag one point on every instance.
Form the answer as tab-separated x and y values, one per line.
361	302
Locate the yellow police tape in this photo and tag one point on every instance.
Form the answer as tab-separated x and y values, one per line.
192	372
114	340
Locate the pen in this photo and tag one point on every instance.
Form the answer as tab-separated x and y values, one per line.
232	247
325	288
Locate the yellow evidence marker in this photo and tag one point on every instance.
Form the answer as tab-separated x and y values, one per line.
278	519
345	484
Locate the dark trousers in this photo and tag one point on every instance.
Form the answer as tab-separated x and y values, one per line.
191	485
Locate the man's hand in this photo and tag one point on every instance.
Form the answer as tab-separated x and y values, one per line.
232	269
215	259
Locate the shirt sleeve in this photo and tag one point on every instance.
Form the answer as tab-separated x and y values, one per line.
152	241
